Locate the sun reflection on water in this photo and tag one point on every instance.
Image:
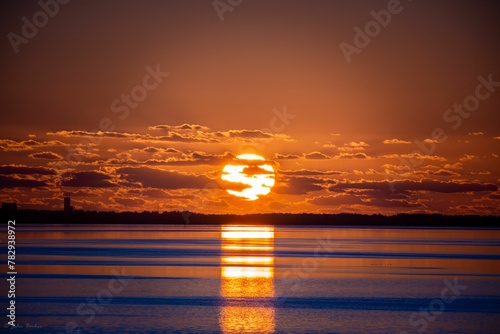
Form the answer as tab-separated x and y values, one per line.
247	279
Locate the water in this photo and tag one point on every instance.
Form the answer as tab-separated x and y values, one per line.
233	279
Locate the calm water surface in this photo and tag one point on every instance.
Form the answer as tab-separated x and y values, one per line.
235	279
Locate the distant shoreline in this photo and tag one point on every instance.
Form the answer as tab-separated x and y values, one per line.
190	218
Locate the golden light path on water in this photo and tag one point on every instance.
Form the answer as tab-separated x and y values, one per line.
247	279
249	171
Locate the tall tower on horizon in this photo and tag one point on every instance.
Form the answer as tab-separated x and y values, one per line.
67	204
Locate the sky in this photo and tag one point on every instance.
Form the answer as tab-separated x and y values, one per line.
360	106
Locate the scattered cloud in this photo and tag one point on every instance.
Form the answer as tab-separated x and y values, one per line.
468	157
170	137
441	172
299	186
162	179
396	142
26	170
333	200
305	172
356	144
129	202
183	127
407	185
89	179
46	156
14	182
316	155
351	156
278	156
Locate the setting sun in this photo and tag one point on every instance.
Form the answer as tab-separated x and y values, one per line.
251	174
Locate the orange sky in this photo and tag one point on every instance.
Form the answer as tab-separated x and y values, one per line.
407	123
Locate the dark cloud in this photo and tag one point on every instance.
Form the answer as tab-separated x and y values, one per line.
236	186
351	156
442	172
305	172
155	178
157	193
335	200
151	149
393	203
171	137
424	185
299	186
316	155
192	159
285	156
183	127
129	202
351	199
88	179
81	193
13	182
256	170
26	145
247	134
46	156
25	170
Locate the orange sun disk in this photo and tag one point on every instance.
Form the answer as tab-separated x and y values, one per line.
252	171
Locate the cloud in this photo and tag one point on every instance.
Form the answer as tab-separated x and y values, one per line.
278	156
351	148
443	172
468	157
476	133
494	196
150	149
87	179
183	127
414	155
316	155
333	200
170	137
356	144
186	133
351	156
245	134
407	185
299	186
156	178
46	156
255	170
129	202
7	145
392	203
456	165
305	172
25	170
193	159
396	142
14	182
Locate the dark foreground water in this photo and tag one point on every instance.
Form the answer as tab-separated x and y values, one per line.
233	279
